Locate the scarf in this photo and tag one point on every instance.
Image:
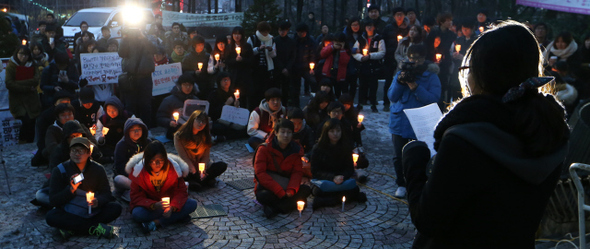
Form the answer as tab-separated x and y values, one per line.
562	54
176	58
267	41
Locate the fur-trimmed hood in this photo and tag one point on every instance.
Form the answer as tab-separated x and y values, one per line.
135	165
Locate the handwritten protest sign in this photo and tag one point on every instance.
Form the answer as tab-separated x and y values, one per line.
10	129
235	115
101	68
164	78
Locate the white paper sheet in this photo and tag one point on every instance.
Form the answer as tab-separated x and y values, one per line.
424	121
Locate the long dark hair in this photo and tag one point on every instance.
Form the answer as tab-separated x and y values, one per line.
324	141
539	120
220	39
418	38
241	31
314	103
185	132
151	150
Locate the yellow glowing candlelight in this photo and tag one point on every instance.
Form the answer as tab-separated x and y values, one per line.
238	50
343	201
365	51
175	115
105	130
200	65
458	47
217	57
92	130
166	201
361	117
399	37
300	205
237	94
481	29
355	157
24	42
438	57
201	167
311	65
91	148
89	197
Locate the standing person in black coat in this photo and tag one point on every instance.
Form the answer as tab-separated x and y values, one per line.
137	53
284	60
500	151
304	55
447	37
185	89
354	30
240	66
190	63
264	50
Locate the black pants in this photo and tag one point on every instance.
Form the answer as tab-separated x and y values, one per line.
61	219
283	82
213	171
285	204
229	133
368	86
350	85
139	101
296	86
398	145
27	130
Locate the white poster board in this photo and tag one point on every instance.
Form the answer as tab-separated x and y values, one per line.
235	115
191	105
572	6
164	78
10	129
424	121
229	20
101	68
3	90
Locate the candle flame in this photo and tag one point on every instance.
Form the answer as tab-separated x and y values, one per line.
311	65
361	117
458	47
343	198
300	205
105	130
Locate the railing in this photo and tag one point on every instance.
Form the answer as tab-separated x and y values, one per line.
582	208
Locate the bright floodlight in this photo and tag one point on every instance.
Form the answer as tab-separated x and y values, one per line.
132	15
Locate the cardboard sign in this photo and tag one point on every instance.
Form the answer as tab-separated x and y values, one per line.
164	78
10	129
101	68
235	115
191	105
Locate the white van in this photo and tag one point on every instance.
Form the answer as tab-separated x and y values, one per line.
99	17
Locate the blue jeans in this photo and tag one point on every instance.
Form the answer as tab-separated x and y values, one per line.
330	186
141	214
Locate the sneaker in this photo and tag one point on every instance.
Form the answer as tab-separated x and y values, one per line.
65	234
386	108
101	230
148	227
269	212
400	192
361	197
374	108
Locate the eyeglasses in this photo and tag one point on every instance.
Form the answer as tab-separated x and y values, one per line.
78	151
136	130
157	162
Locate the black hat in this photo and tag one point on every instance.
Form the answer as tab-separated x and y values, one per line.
86	95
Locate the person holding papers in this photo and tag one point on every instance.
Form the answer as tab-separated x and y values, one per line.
416	85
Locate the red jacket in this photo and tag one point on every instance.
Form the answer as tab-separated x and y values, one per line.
327	53
143	193
291	165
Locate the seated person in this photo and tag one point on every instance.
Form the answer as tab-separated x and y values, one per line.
54	133
60	75
193	144
302	133
114	119
351	115
327	87
71	129
178	53
263	117
160	57
67	196
222	96
46	119
315	112
134	141
87	110
190	64
154	175
185	89
332	168
336	110
277	170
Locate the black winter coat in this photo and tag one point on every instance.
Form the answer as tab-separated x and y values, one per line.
172	103
330	162
285	53
134	50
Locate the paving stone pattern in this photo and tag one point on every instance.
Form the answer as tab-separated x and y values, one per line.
381	222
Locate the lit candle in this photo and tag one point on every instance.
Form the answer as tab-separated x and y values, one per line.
91	148
238	50
166	201
438	57
202	169
343	201
237	94
458	48
89	198
217	57
24	42
311	65
93	130
200	65
355	158
481	29
300	206
365	51
175	115
105	130
361	117
302	159
399	37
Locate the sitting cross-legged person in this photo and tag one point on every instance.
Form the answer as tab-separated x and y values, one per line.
114	120
193	144
69	195
134	141
155	176
263	117
332	168
185	89
278	173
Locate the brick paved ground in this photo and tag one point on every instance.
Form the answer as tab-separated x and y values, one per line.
381	222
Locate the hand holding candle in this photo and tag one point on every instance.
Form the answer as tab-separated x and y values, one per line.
361	117
202	169
311	65
237	94
300	206
176	115
458	48
399	37
217	57
105	130
365	51
355	158
238	50
200	65
343	201
438	57
165	202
